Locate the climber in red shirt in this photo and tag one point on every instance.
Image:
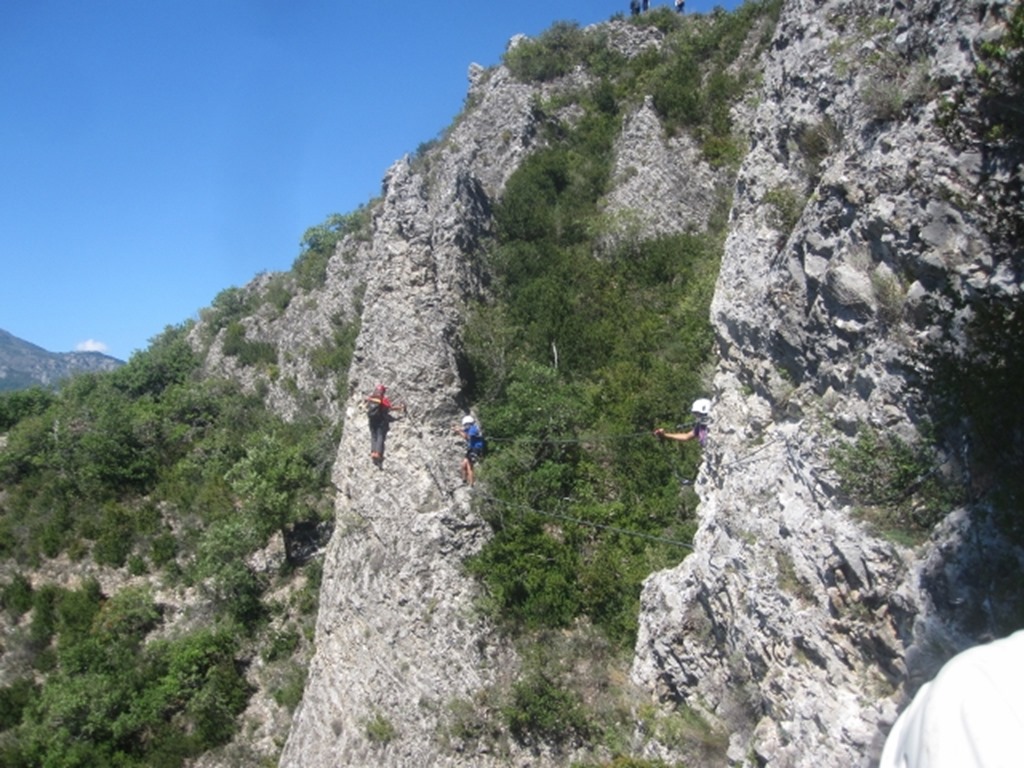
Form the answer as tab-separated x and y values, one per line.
378	410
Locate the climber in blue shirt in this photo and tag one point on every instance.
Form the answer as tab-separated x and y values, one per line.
475	445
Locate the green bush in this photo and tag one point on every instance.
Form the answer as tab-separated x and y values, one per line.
17	405
282	644
14	698
168	361
289	693
113	699
16	597
784	204
575	346
319	243
248	352
551	55
542	710
380	729
697	80
816	142
334	356
899	483
229	306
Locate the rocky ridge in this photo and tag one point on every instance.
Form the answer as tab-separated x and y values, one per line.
397	636
791	621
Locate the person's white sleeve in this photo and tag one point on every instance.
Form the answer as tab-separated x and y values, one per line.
970	716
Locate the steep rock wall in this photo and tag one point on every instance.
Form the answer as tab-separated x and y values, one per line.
397	639
791	625
791	622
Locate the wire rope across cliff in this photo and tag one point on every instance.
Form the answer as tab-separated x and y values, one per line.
569	440
523	508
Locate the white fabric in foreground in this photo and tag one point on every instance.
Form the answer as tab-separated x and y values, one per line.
970	716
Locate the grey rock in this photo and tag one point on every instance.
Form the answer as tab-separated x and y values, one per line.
791	623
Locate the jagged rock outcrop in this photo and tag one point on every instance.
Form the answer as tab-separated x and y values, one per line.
662	185
306	325
791	622
397	639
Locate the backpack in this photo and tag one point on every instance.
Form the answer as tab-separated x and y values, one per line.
477	443
374	407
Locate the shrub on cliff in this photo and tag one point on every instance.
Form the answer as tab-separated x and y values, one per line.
574	362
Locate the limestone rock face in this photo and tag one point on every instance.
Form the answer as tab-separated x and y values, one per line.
790	622
398	639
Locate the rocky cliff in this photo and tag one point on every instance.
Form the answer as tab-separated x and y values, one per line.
397	638
792	621
857	222
399	641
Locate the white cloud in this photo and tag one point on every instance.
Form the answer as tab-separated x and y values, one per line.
90	345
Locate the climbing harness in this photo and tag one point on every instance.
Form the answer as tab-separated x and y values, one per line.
674	464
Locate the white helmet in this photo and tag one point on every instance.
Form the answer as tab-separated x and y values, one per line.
467	420
701	406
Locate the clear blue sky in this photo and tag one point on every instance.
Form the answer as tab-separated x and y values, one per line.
156	152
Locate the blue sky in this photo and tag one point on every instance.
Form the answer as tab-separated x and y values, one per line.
156	152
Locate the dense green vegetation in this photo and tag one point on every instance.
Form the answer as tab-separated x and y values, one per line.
693	79
108	453
897	485
319	242
155	470
585	348
112	699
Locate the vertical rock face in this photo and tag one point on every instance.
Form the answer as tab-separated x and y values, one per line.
397	637
851	215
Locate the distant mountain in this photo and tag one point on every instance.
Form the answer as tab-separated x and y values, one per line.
25	365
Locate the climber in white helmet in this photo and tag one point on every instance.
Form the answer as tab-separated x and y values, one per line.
475	445
701	410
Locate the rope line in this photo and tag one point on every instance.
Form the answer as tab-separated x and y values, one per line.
749	455
567	441
587	523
